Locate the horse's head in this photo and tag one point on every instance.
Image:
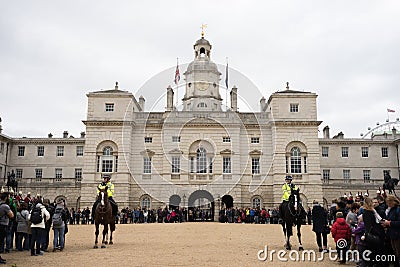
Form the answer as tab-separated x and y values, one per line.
103	196
294	198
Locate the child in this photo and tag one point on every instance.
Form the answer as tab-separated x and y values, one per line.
358	232
342	236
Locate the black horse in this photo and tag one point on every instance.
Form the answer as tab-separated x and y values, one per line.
293	214
12	182
390	184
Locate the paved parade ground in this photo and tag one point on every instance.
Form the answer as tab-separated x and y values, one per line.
185	244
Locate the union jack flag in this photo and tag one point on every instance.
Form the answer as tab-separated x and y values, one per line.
390	110
177	75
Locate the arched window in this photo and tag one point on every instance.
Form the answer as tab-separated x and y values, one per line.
256	203
201	158
295	160
107	160
145	203
202	105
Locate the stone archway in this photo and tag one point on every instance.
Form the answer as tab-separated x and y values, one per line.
201	206
174	201
227	201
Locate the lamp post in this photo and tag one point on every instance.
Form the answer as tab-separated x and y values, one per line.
219	207
184	211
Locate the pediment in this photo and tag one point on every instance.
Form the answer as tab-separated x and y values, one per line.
255	152
147	153
226	152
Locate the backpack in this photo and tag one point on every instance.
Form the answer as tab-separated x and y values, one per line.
36	215
57	218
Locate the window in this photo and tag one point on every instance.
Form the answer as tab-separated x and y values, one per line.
345	152
146	165
79	151
201	159
191	164
116	164
107	160
255	165
367	176
109	107
145	203
325	151
1	147
305	164
58	174
176	139
346	176
385	152
364	152
176	164
210	165
202	105
78	174
287	164
60	151
295	160
326	175
40	151
226	165
21	151
256	203
226	139
148	139
38	174
18	173
255	140
294	107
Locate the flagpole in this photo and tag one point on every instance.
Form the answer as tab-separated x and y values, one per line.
226	83
177	66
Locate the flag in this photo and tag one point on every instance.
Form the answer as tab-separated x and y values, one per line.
390	110
177	75
226	76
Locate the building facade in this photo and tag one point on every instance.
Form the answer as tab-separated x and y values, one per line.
201	155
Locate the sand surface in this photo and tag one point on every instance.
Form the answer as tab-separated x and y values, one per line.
185	244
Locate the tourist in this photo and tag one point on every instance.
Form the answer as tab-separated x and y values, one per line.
5	215
341	234
358	232
320	222
351	220
38	229
59	221
393	224
22	228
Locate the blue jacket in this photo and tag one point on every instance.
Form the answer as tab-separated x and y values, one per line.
393	216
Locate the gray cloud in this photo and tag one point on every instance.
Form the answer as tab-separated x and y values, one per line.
53	53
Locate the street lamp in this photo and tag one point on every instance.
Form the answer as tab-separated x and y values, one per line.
184	199
183	211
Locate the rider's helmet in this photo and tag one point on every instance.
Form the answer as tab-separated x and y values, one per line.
107	177
288	178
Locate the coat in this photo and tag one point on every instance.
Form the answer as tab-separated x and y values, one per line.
319	218
394	229
341	230
45	215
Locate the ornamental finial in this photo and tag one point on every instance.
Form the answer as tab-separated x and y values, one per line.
203	26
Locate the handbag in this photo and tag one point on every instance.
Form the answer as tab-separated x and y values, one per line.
372	240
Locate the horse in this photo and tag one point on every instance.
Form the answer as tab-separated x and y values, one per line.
12	182
103	215
293	213
390	184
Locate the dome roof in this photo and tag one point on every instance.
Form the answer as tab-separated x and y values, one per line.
202	41
205	65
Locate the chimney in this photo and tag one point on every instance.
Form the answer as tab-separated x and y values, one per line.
65	134
326	132
394	132
262	104
83	134
141	102
50	135
234	99
170	98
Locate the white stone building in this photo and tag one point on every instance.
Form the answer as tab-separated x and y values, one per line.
201	155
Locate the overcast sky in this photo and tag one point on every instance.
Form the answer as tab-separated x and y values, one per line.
52	53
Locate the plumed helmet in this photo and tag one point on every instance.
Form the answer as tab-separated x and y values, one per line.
288	177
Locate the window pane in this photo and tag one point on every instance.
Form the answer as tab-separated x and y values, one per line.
176	164
226	164
40	151
146	165
201	160
295	160
255	165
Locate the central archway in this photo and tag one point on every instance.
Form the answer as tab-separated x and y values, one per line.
174	201
201	206
227	201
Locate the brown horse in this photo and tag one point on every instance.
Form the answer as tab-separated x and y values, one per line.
103	215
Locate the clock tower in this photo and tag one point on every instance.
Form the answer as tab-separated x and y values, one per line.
202	80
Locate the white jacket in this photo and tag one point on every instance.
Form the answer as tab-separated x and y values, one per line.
45	216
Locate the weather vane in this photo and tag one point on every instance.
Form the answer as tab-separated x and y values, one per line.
203	26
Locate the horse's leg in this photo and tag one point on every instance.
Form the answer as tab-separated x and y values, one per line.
299	235
284	230
105	231
112	229
289	233
96	234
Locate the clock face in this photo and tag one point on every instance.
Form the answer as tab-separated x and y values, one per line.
202	85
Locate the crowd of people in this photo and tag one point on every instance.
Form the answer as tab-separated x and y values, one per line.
361	223
26	222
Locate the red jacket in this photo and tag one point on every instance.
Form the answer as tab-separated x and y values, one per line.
341	230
